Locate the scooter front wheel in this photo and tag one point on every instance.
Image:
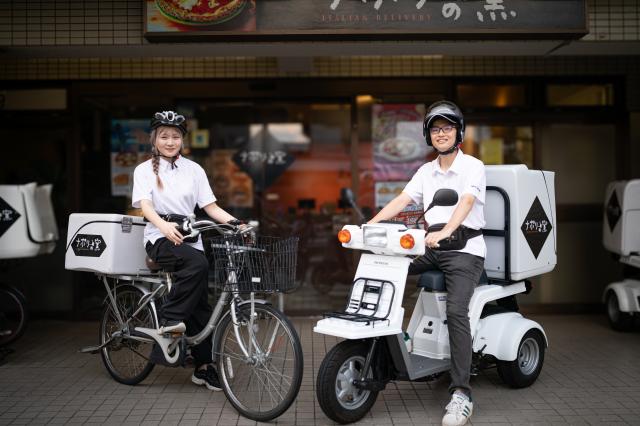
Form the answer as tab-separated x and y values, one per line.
340	400
525	369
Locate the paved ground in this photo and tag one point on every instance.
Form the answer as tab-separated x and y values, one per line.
591	376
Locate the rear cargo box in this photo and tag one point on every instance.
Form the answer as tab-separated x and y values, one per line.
27	223
521	239
106	243
621	223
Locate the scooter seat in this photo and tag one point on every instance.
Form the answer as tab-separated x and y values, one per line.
434	280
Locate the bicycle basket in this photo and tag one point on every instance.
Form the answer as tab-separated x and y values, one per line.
265	265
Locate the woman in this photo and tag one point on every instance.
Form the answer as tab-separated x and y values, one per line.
171	184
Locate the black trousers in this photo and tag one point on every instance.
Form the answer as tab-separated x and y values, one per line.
188	299
462	273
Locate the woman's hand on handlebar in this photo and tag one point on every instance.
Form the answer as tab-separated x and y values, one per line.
170	230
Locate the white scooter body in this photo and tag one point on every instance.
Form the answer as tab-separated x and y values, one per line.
427	337
628	290
621	236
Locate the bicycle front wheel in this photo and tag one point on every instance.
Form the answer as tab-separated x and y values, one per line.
260	366
127	360
13	315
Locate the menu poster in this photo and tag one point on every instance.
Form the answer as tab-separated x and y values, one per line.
231	186
387	191
411	215
399	148
129	147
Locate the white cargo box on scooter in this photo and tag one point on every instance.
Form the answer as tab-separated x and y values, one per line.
27	223
531	214
622	213
106	243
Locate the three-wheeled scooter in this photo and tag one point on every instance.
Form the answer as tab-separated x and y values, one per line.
621	236
520	238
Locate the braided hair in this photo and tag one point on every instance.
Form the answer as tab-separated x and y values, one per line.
155	157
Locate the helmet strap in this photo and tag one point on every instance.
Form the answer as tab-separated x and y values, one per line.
451	150
156	152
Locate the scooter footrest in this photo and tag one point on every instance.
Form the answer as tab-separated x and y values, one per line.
370	384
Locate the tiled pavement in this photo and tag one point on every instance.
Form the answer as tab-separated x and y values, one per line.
591	376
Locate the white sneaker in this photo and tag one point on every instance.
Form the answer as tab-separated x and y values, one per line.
176	327
459	410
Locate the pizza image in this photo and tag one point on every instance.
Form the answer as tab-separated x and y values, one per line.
200	12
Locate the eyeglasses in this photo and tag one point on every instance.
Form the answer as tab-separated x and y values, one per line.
446	129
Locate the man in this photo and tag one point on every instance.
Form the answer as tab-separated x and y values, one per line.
443	129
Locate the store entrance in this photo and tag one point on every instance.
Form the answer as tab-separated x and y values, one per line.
283	164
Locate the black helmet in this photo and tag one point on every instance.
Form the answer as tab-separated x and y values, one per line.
450	112
170	119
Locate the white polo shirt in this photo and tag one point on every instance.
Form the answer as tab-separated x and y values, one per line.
184	186
465	176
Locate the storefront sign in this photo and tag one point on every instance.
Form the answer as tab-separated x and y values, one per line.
264	158
295	20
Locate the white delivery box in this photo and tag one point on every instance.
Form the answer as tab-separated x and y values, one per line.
27	222
529	249
621	224
106	243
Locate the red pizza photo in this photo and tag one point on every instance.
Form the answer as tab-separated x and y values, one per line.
190	15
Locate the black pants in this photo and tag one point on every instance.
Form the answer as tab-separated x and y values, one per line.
462	273
188	299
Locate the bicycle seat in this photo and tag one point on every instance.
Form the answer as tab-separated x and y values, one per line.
153	266
434	280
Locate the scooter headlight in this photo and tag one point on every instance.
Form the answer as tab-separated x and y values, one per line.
375	236
407	241
344	236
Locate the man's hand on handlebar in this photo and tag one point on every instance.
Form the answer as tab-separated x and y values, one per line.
433	238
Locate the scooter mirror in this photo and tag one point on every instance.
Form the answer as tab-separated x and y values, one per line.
444	197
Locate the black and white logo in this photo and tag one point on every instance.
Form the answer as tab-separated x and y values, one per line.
614	211
88	245
8	216
536	227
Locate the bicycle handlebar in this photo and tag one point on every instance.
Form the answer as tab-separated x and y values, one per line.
195	227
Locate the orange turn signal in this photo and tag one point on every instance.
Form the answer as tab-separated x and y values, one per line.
344	236
407	241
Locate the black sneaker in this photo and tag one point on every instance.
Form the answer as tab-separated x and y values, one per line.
207	377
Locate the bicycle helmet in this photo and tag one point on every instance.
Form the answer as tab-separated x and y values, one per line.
169	119
449	111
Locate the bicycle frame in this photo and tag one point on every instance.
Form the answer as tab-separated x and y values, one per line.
168	344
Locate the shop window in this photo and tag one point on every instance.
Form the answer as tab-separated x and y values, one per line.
579	95
500	144
491	95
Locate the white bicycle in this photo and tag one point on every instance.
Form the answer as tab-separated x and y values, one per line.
255	346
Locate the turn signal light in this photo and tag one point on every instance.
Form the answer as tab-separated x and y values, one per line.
344	236
407	241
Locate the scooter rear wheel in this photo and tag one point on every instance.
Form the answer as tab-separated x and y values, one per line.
525	369
339	399
619	321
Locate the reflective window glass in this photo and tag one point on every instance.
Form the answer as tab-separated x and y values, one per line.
491	95
580	95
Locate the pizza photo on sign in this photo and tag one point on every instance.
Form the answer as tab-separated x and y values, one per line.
194	15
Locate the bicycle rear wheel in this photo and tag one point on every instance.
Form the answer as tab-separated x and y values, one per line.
127	360
13	315
263	384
